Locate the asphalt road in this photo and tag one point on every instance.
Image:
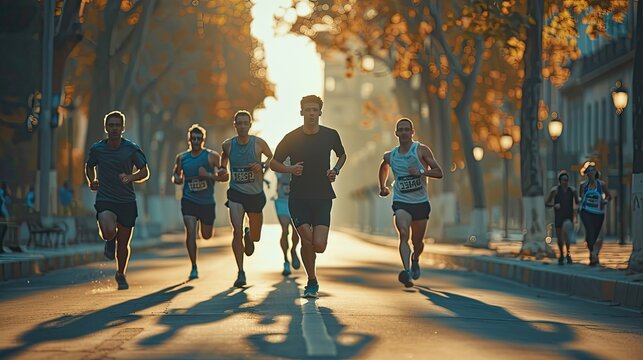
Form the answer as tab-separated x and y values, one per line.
362	312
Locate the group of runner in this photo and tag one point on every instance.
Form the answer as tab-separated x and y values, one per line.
304	192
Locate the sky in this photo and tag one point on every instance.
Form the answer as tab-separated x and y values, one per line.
294	66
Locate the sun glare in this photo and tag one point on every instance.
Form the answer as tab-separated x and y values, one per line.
294	66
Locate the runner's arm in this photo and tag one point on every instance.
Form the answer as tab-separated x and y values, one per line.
178	171
434	170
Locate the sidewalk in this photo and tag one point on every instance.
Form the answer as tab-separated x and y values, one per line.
609	282
39	261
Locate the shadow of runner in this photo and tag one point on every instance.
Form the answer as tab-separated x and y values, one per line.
75	326
217	308
496	323
284	301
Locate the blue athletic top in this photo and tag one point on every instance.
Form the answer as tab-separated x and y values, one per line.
243	179
592	199
111	162
410	189
199	191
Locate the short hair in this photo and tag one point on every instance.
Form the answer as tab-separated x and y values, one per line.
197	128
562	173
114	113
401	120
311	99
242	112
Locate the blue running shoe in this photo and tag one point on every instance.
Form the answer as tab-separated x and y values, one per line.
415	269
311	290
405	278
194	274
286	271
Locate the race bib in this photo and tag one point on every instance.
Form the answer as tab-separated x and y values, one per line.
409	183
243	175
197	185
593	200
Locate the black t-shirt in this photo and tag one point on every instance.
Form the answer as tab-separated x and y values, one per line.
314	151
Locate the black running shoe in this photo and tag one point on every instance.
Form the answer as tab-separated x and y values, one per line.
121	281
415	269
241	279
569	259
249	245
561	260
110	249
405	278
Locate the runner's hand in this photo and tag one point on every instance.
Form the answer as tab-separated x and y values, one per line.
297	169
94	185
256	167
557	206
222	174
331	174
125	179
177	179
203	173
413	171
385	191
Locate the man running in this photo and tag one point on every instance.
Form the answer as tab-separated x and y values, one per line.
311	192
245	195
411	162
197	169
563	198
283	214
108	171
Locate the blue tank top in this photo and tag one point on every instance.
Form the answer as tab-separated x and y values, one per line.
592	199
199	191
410	189
242	179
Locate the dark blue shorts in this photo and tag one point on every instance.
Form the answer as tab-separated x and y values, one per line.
252	203
310	211
126	213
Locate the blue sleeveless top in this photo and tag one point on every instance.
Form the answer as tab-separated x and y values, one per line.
592	199
410	189
242	179
199	191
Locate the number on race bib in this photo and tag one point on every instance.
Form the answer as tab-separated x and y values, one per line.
197	185
409	183
243	175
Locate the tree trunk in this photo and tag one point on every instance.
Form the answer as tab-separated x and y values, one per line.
530	171
636	259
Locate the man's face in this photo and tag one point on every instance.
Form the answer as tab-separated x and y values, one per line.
114	127
242	124
196	140
404	131
564	180
311	113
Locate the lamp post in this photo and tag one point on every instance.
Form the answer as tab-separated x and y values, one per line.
555	128
506	143
619	97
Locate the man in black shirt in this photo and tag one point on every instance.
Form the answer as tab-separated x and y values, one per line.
311	192
562	198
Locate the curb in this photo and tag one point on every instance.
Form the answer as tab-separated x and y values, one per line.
29	265
611	286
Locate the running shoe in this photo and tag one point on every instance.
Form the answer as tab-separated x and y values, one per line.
286	271
405	278
241	279
110	249
249	245
311	289
194	274
561	260
121	281
415	269
295	259
569	259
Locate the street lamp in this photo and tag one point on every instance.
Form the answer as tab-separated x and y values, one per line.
555	129
506	142
478	152
619	97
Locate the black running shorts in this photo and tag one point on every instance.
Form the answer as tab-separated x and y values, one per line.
310	211
251	203
202	212
126	213
418	211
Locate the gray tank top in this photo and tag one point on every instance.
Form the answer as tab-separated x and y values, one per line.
410	189
242	179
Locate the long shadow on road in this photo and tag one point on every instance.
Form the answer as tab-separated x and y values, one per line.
76	326
284	301
496	323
